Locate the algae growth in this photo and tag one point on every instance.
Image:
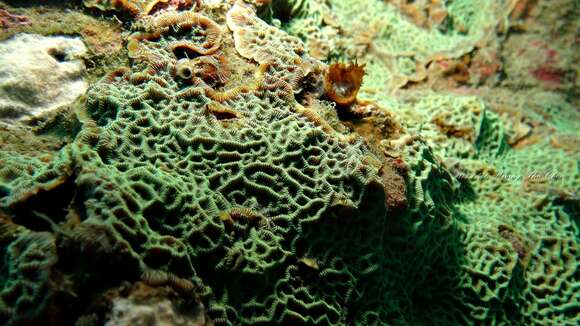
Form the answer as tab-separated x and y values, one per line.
313	162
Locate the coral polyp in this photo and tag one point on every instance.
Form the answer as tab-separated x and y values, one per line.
342	82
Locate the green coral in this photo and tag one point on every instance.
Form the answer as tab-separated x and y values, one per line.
234	193
552	293
25	274
523	204
455	126
218	201
175	168
395	50
22	176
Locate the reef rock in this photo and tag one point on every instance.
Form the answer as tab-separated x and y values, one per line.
126	312
39	74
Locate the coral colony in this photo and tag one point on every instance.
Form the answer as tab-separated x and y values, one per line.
289	162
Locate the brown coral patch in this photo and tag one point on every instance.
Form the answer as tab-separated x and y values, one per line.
522	9
242	215
172	22
521	247
222	96
568	142
211	69
452	130
342	82
187	21
146	7
426	14
252	37
158	278
137	8
394	184
221	112
374	123
229	94
134	47
134	7
314	118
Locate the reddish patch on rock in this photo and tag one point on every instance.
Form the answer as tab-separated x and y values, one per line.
549	74
485	64
551	54
8	20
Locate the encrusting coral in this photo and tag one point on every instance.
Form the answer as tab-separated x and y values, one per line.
178	175
27	280
183	21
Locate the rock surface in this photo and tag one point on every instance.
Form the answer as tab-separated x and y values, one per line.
39	74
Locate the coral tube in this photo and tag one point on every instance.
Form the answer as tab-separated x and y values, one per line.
342	82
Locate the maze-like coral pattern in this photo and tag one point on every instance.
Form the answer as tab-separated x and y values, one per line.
198	172
25	278
552	295
221	179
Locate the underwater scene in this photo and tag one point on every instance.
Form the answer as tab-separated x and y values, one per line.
289	162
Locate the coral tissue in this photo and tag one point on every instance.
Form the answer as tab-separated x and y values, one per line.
342	82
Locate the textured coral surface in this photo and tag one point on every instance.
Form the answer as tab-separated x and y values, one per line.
232	163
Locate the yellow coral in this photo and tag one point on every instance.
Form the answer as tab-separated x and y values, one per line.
136	8
163	24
